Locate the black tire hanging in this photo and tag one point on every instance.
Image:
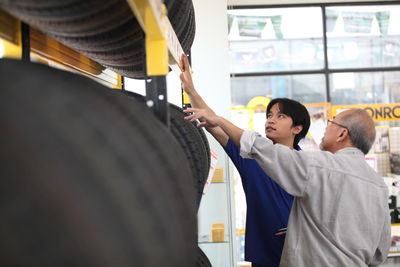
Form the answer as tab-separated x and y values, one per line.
207	146
193	142
202	259
86	181
105	31
195	146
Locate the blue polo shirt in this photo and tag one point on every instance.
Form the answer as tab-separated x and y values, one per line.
268	208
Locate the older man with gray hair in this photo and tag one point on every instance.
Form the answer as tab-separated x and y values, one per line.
340	215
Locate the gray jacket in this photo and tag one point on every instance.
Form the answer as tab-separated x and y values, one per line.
340	214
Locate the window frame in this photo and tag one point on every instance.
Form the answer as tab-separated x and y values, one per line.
326	71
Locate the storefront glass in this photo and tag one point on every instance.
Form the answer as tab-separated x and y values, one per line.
264	40
307	88
363	36
354	63
365	88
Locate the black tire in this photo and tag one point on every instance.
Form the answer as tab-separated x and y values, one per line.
38	4
105	31
179	15
188	135
113	39
85	181
81	18
207	146
202	259
193	142
186	30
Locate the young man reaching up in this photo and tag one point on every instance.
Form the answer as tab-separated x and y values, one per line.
268	205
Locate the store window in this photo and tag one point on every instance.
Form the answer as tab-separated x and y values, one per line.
330	57
365	88
263	40
308	88
340	54
363	36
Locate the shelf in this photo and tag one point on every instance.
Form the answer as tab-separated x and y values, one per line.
394	254
209	242
205	239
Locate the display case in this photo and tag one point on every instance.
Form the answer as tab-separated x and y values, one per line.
215	233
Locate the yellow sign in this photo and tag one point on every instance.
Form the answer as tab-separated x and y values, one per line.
378	112
256	102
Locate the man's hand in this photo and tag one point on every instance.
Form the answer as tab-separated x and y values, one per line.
207	117
186	76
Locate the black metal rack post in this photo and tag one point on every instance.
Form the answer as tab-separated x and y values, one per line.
26	42
156	97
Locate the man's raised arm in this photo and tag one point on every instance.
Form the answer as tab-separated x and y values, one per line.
197	101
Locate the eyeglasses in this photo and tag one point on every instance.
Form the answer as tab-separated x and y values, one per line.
340	125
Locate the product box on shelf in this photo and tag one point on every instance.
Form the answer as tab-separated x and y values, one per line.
218	232
395	163
381	144
394	139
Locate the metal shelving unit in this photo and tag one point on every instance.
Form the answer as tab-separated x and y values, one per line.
163	50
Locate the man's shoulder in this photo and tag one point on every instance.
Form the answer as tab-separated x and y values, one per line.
231	149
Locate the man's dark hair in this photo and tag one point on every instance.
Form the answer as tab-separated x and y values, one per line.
294	110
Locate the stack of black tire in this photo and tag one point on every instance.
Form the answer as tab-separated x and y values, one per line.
89	176
192	140
105	31
196	150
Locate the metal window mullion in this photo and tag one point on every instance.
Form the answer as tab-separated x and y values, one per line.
326	65
368	3
322	71
276	73
373	69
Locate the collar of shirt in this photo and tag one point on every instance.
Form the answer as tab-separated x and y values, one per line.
350	150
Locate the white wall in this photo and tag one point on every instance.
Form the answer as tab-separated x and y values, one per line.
210	59
210	63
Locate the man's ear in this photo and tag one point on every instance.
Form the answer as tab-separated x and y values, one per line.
297	129
344	133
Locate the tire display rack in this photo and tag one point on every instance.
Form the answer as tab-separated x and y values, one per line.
163	45
135	38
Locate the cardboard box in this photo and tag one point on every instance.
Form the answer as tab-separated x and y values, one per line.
218	176
218	232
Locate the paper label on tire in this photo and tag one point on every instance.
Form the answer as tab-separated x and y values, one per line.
213	164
